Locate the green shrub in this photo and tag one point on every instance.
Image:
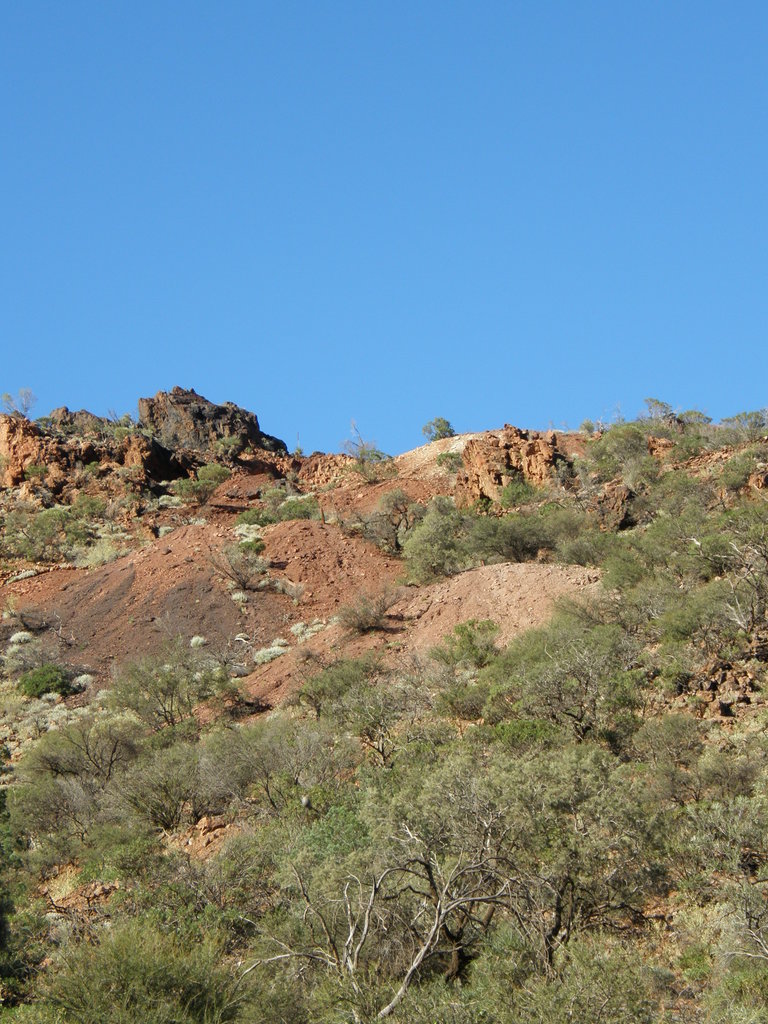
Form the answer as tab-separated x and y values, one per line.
622	452
255	517
368	612
369	462
213	473
39	536
331	684
391	523
230	446
517	492
434	548
242	564
736	472
45	679
200	490
471	643
138	973
298	508
451	462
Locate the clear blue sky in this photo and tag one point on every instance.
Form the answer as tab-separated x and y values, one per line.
524	212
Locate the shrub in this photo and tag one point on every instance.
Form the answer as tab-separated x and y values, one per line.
368	612
370	462
451	462
200	490
213	473
18	405
255	517
138	973
45	679
164	691
392	521
471	643
230	446
298	508
517	492
736	472
747	425
39	536
331	684
434	548
243	564
622	452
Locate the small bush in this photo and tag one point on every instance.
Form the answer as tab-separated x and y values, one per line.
471	643
200	490
45	679
368	612
451	462
213	473
243	564
369	462
517	492
255	517
230	446
298	508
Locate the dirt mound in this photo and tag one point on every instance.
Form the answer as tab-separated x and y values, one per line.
331	566
515	596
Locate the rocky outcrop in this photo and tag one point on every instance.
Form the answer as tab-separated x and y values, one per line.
24	447
181	418
82	422
612	507
495	460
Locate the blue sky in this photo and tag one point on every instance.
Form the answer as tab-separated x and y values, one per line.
532	212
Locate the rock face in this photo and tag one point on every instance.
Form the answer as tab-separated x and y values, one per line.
612	507
181	418
24	445
493	461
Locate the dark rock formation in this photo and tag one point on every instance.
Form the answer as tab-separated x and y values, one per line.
182	418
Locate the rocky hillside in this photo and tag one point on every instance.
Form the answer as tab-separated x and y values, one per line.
455	735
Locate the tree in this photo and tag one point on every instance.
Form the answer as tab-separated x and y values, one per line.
20	404
438	429
165	691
